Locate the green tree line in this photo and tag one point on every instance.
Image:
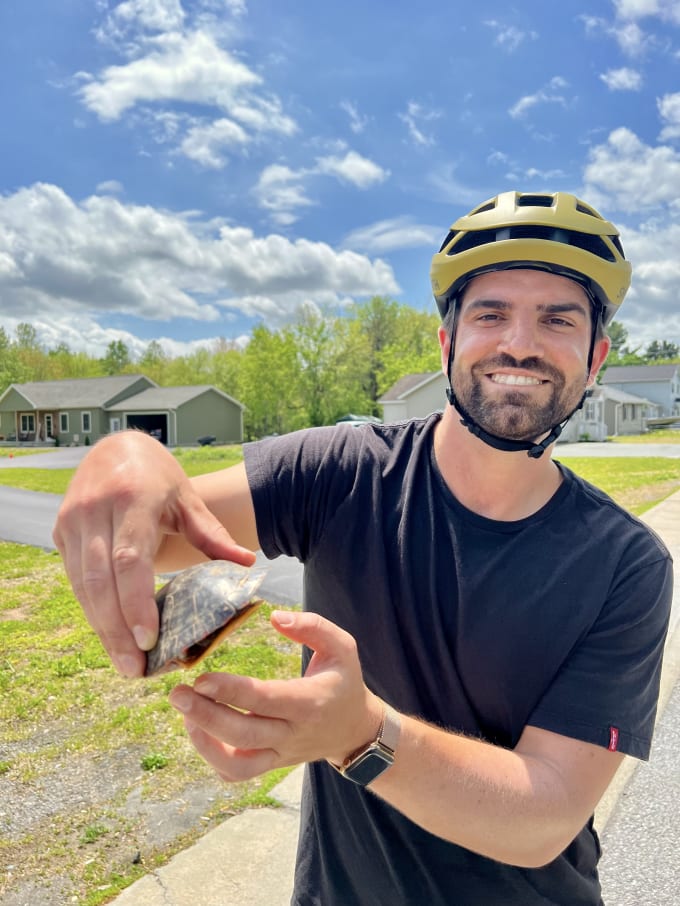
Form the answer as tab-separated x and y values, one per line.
310	372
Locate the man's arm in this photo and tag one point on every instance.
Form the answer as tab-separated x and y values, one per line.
521	806
129	501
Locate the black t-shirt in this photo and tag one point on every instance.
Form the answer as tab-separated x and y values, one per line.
556	620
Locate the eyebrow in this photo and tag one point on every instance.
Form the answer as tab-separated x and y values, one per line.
551	308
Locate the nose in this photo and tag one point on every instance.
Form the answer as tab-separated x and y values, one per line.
520	338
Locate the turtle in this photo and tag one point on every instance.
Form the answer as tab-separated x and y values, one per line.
197	609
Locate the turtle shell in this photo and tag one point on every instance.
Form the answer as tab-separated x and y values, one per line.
197	608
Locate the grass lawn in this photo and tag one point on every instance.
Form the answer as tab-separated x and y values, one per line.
637	483
664	436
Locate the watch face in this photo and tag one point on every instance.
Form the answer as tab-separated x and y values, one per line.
368	766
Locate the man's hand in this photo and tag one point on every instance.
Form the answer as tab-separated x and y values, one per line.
129	492
243	726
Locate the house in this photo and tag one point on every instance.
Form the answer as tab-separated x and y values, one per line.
660	384
82	410
180	415
624	413
417	395
414	396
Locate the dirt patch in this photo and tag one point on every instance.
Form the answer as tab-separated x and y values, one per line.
92	816
636	497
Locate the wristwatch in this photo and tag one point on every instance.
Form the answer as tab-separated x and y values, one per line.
371	760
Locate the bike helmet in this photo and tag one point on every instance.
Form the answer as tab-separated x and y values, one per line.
556	232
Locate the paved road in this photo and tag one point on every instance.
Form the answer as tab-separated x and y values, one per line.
27	517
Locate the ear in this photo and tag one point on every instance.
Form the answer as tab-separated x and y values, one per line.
600	353
444	346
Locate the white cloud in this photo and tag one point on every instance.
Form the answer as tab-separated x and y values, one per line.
631	175
174	68
154	15
669	108
281	190
415	118
552	93
666	10
60	259
357	122
189	68
650	311
205	143
392	234
509	37
110	187
624	79
352	168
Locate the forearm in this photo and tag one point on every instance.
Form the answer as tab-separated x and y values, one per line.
509	806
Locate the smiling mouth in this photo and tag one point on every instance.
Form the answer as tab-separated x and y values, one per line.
515	380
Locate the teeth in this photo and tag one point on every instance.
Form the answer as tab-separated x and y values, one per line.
514	379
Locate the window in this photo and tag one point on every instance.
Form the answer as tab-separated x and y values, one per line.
590	411
63	422
27	423
86	422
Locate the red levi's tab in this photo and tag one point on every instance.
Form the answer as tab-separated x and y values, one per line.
613	739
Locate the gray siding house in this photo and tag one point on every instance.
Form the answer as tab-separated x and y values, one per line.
659	384
624	413
83	410
180	415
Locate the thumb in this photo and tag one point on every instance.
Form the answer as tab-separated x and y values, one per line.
316	632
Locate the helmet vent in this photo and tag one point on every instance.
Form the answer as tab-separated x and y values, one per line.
589	243
535	201
489	206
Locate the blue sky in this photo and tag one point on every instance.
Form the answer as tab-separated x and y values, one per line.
181	171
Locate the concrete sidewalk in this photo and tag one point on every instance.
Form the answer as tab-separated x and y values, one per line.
248	860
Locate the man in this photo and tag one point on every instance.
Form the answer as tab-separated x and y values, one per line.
483	630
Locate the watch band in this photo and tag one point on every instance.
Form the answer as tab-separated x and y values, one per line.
367	763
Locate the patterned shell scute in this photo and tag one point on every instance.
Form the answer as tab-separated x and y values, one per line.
199	605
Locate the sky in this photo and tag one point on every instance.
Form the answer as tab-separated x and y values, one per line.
183	170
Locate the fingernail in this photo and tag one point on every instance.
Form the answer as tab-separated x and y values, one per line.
283	617
181	701
144	637
127	665
206	687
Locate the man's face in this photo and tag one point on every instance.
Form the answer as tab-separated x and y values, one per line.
520	363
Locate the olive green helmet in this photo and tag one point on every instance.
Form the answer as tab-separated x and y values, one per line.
556	232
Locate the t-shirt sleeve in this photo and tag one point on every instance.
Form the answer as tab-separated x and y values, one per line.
606	692
297	482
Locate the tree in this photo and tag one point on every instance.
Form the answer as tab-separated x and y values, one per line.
618	336
659	350
117	358
270	383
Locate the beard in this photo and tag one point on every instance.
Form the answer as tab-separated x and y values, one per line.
513	414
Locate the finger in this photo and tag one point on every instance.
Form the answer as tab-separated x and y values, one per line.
326	639
286	700
134	543
208	535
230	763
242	730
83	538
